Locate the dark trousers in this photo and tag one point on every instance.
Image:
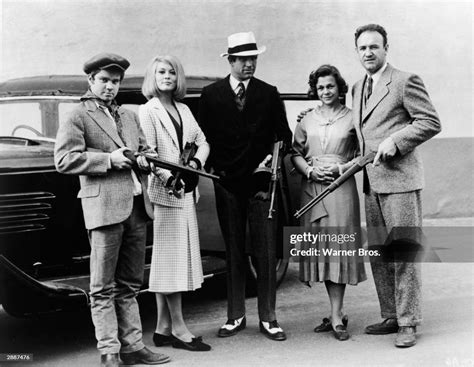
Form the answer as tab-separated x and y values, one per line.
234	210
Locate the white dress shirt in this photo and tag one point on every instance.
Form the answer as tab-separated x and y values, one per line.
234	83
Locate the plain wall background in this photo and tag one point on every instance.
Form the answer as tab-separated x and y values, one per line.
432	39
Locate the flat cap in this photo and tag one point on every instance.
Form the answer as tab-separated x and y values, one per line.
105	61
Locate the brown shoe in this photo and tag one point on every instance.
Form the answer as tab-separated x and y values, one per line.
327	326
340	332
388	326
109	360
406	337
144	356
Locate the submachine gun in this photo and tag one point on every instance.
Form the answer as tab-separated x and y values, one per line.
179	170
275	175
271	175
361	163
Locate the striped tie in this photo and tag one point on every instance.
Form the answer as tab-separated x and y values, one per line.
240	96
368	90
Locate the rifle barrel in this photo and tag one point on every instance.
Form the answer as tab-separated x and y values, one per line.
176	167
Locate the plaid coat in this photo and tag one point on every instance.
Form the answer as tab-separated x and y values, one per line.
83	146
401	108
161	136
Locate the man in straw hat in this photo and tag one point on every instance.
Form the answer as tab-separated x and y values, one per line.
242	117
91	143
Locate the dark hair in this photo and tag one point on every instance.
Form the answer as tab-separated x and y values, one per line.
326	70
371	28
232	58
93	73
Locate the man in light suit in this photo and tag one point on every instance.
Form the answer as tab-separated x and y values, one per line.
393	114
91	143
241	117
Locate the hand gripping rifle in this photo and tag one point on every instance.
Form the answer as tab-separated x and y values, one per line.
175	167
361	163
275	175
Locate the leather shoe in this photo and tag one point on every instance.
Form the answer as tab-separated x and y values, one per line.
406	337
274	331
109	360
143	356
161	340
327	326
195	345
232	327
340	332
388	326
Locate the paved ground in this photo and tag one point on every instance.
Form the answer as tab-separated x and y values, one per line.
445	338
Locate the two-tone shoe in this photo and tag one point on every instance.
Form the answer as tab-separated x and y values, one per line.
232	327
273	331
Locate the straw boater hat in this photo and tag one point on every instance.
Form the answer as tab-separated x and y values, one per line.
242	44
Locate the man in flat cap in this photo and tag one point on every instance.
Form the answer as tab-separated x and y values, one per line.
242	117
91	143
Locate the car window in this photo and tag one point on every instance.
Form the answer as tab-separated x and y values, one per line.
20	119
294	107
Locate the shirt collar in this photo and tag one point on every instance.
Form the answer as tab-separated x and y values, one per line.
376	77
234	83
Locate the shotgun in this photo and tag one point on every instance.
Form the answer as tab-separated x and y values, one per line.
361	163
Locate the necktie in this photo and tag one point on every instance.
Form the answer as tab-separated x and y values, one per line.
113	109
240	96
368	90
241	91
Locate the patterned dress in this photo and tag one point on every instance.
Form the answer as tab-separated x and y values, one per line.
321	141
176	261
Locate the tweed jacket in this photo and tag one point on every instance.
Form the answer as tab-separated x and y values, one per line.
399	107
83	146
161	136
241	140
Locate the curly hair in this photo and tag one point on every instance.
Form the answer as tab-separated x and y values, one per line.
371	28
326	70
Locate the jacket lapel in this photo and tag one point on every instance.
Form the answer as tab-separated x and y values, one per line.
103	121
357	103
183	113
251	95
166	120
379	93
228	95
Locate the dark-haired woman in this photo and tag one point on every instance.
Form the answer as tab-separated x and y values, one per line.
325	146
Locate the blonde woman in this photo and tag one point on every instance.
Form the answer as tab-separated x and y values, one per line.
176	262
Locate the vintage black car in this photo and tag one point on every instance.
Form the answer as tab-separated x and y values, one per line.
44	250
